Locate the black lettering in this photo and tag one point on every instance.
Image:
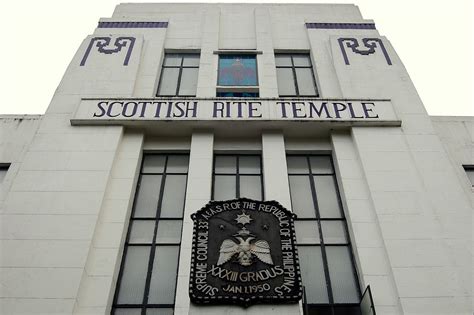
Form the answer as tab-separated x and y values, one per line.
144	104
351	110
314	108
338	108
368	110
283	109
109	111
102	109
192	109
178	106
134	110
297	109
253	109
218	108
158	108
170	107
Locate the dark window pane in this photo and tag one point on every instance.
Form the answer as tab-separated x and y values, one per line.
320	164
191	60
237	70
333	232
169	81
3	172
251	187
249	165
347	310
169	231
160	311
189	77
286	82
327	197
283	60
312	272
128	311
147	198
297	165
163	277
225	164
224	187
237	94
307	232
142	231
301	197
301	61
470	174
172	205
177	164
314	309
153	164
134	274
304	78
172	60
366	307
344	287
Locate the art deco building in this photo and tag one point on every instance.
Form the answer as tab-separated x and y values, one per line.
165	107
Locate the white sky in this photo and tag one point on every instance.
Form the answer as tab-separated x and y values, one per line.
433	38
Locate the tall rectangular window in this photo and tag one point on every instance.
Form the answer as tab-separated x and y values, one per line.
179	75
237	176
148	273
326	259
295	75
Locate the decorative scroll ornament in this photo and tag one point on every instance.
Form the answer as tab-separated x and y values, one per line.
369	43
103	43
244	252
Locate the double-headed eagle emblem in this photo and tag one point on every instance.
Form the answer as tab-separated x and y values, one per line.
245	249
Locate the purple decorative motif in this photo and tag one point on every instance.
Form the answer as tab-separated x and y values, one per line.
369	43
133	25
103	42
342	26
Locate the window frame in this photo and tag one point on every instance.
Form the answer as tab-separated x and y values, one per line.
144	305
293	70
236	174
180	67
317	219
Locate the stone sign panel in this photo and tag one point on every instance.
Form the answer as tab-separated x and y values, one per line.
129	111
244	252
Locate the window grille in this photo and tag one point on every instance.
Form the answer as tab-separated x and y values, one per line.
179	75
295	75
148	273
327	263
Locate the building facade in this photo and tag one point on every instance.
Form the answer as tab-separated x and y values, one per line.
166	107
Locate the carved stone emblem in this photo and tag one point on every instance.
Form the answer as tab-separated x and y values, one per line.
244	252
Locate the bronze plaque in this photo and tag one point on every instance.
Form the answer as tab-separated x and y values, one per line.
244	252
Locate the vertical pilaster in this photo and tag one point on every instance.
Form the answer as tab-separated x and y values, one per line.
198	193
274	168
276	187
370	252
207	80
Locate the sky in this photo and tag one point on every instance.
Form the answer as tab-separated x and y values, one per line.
434	39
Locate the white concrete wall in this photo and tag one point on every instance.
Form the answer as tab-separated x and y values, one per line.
423	213
65	210
16	133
